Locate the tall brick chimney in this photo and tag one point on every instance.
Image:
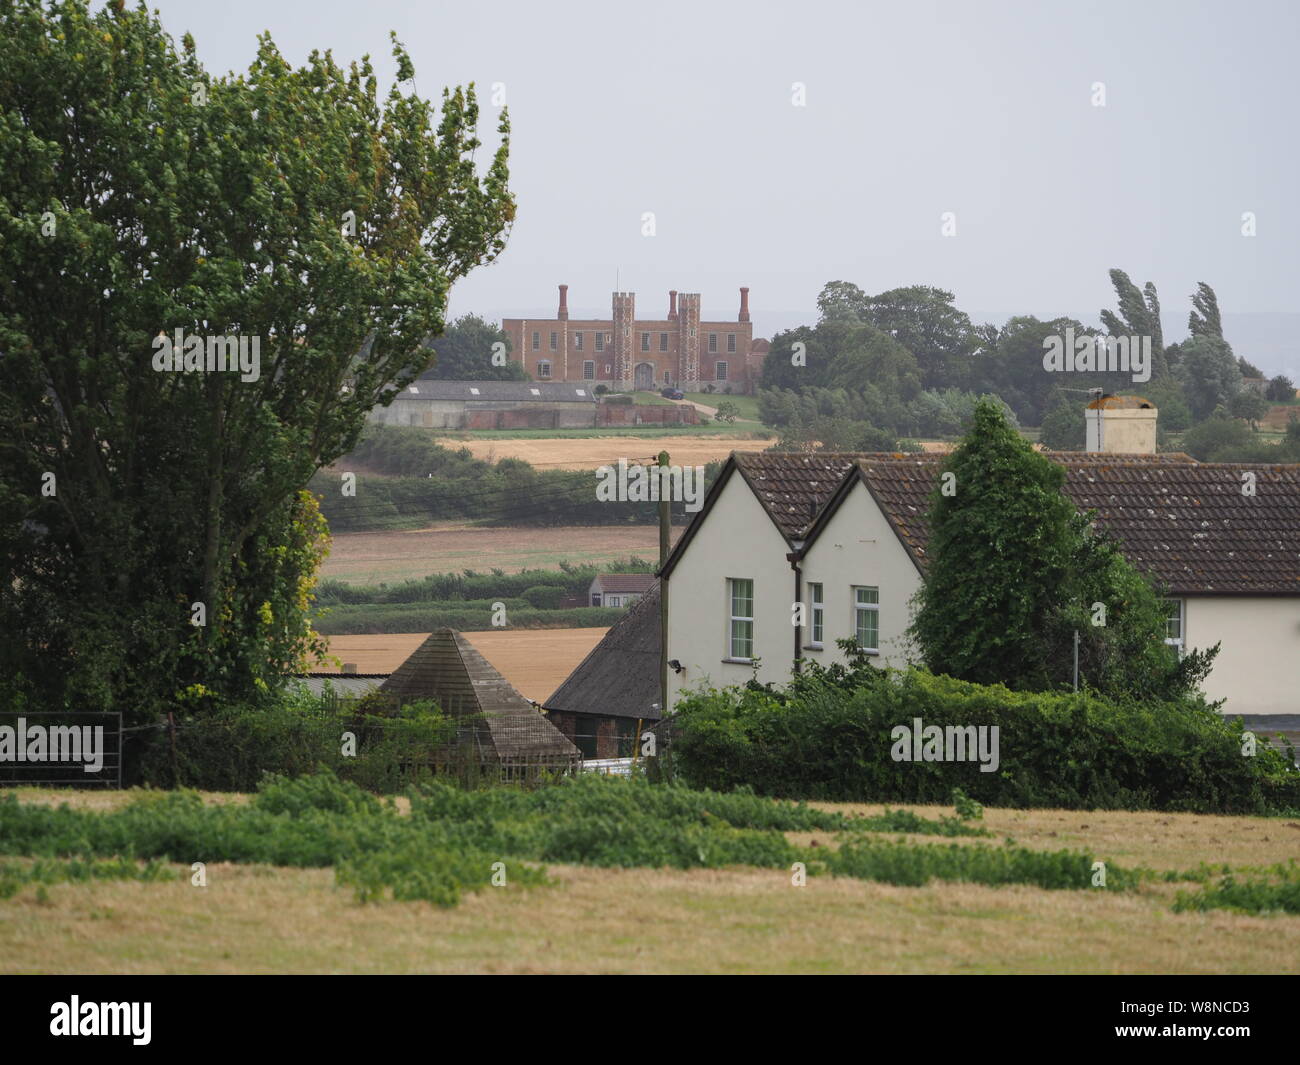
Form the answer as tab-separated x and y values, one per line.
563	315
672	305
744	304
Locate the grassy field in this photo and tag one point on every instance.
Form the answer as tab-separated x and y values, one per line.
450	547
732	920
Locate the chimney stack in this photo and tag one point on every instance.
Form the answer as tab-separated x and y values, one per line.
564	304
672	305
744	304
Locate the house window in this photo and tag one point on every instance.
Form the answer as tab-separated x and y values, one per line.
668	377
554	338
588	370
577	341
584	734
866	617
731	342
817	613
721	371
713	343
663	341
543	369
614	600
645	341
537	340
1174	624
600	341
740	630
595	599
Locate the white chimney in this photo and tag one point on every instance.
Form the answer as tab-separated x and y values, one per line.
1121	425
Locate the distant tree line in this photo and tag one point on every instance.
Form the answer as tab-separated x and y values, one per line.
876	370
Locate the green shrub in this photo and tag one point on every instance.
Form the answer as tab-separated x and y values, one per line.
914	865
826	739
544	596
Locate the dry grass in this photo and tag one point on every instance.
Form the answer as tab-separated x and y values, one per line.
535	661
260	919
395	555
587	453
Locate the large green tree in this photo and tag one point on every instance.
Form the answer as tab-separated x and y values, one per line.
1015	571
141	195
465	350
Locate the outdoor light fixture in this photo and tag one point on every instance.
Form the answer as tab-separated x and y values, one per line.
677	666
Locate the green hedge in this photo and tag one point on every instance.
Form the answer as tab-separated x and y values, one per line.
825	740
425	617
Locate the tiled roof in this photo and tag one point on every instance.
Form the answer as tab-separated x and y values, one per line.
793	486
447	669
635	583
620	677
1184	523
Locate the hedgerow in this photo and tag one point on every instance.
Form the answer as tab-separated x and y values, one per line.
830	739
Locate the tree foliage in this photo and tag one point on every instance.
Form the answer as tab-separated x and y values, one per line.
464	350
140	195
1015	571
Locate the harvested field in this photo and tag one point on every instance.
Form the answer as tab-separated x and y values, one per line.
733	920
536	661
587	453
408	554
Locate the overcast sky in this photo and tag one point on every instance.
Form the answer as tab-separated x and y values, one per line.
912	109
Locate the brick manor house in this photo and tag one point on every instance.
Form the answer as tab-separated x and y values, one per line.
626	353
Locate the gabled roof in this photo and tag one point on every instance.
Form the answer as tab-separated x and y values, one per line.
447	669
620	676
792	486
1183	523
634	583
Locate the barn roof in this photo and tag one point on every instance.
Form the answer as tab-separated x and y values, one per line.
620	676
447	669
499	391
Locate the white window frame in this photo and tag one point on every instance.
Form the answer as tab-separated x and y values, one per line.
537	340
734	619
865	606
1179	641
544	369
816	614
555	341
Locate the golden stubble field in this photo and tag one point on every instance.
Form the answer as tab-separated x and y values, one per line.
587	453
264	919
535	661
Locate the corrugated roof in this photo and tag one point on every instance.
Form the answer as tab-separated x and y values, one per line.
499	391
447	669
620	676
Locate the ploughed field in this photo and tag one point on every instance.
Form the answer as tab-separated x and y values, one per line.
395	555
